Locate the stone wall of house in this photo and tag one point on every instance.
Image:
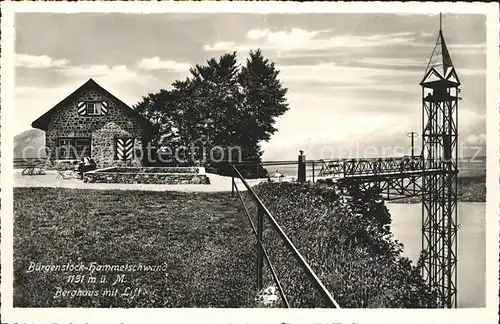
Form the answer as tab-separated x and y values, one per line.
103	145
66	122
157	170
146	178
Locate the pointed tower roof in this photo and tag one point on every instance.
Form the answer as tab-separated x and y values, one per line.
440	66
440	59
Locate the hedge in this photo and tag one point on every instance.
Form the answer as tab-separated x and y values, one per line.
345	237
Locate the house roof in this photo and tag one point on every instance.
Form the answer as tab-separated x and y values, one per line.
43	121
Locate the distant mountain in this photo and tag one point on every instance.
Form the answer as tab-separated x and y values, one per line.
29	144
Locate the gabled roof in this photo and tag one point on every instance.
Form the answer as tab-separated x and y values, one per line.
43	121
440	66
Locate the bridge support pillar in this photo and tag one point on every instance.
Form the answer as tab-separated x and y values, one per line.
301	176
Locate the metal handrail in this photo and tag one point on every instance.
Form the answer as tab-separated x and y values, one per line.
288	243
266	255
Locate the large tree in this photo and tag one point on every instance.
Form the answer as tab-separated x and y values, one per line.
263	96
221	104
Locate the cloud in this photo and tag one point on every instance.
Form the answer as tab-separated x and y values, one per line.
377	40
465	71
257	33
39	61
329	73
221	46
59	92
460	49
97	70
300	39
32	101
476	139
26	90
333	125
283	37
111	75
469	119
324	117
404	62
480	46
294	37
155	63
388	63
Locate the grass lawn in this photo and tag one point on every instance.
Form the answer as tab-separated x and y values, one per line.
201	241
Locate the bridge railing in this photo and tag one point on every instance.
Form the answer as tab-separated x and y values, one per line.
333	168
280	170
263	218
362	166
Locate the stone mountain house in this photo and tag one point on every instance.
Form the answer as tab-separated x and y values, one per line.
92	122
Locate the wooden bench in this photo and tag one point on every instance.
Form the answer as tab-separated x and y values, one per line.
33	169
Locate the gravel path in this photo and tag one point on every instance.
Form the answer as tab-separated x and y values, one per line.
52	180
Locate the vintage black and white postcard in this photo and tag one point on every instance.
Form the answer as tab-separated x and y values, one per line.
250	162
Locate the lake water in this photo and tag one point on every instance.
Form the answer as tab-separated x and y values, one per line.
471	286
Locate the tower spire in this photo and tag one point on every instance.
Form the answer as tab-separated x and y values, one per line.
440	65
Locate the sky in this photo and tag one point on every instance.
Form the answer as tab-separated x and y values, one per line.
352	79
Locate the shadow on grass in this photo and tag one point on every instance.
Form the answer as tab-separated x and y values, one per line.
199	243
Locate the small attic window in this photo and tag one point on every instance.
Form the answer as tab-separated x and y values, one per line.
93	108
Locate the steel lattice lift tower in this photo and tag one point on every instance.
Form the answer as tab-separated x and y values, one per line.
439	190
432	175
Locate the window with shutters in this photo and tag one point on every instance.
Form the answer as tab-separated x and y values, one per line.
92	108
124	148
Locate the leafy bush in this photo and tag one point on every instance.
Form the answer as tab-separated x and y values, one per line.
344	235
